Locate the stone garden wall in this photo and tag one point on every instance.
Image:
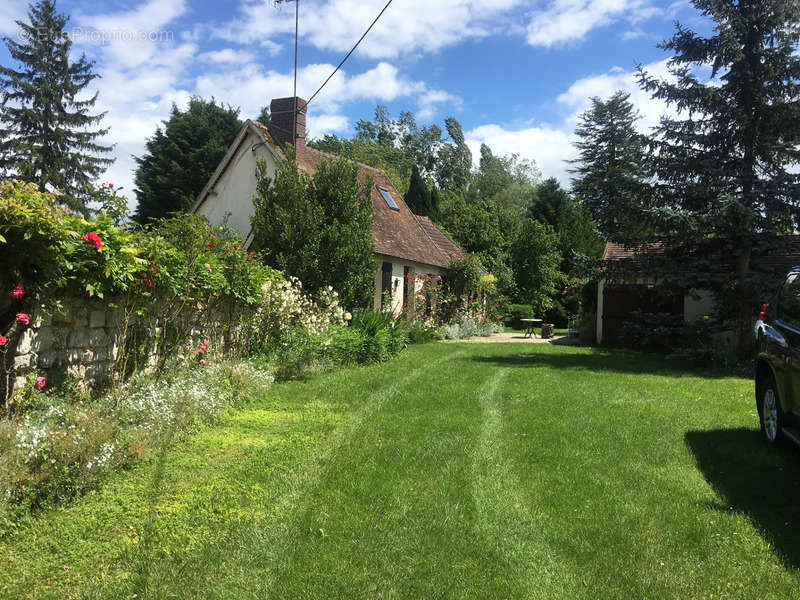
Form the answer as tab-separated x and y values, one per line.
86	340
82	338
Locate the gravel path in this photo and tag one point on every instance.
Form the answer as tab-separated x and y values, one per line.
516	337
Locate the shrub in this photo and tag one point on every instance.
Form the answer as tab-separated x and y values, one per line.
372	337
285	308
516	312
346	345
653	331
174	276
705	342
299	352
319	227
421	332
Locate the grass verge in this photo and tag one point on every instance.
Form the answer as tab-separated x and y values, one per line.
455	471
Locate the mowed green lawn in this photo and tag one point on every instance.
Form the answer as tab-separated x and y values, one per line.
455	471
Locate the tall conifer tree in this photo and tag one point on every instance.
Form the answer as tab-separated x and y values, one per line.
181	157
610	172
727	169
46	134
418	196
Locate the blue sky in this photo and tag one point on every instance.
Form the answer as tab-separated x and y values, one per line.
515	73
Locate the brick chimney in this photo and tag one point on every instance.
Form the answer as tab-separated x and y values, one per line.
281	112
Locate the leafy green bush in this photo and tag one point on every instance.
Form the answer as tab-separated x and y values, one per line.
318	228
372	337
516	312
178	275
653	331
298	352
418	332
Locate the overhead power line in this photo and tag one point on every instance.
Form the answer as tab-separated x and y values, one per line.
314	95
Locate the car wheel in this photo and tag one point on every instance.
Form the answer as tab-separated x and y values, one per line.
770	413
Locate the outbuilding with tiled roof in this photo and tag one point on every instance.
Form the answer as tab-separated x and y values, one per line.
630	283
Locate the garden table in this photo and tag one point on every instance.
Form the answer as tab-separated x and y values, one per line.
530	326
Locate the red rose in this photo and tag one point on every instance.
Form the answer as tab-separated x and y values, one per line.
148	283
18	292
93	238
3	340
210	244
40	383
111	185
23	318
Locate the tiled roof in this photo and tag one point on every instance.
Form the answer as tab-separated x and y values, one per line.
446	246
615	251
397	233
783	256
264	131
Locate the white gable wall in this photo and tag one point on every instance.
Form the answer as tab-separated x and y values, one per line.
399	282
232	204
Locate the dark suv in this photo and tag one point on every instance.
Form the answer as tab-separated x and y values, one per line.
778	364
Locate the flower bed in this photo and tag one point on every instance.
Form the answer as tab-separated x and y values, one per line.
169	282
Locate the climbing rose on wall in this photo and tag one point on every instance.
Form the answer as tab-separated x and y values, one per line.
18	292
3	340
40	383
93	238
23	318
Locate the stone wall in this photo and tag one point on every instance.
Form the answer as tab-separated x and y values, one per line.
86	340
83	338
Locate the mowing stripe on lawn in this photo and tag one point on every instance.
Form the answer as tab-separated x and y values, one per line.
248	558
510	530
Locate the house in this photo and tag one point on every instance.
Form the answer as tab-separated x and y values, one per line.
405	244
631	283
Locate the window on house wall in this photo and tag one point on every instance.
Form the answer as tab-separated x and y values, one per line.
406	285
388	197
386	283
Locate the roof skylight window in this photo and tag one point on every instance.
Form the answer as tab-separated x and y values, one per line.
388	197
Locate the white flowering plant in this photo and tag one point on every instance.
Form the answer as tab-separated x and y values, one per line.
63	448
287	309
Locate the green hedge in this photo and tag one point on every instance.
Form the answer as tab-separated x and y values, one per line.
516	312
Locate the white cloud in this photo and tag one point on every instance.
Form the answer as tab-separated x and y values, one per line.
551	145
569	21
408	27
318	125
10	13
227	55
146	17
548	146
578	96
417	26
251	87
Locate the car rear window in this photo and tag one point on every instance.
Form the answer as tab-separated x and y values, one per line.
789	308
